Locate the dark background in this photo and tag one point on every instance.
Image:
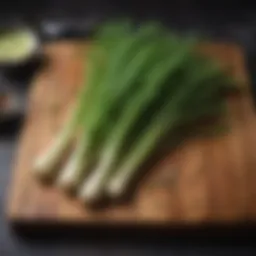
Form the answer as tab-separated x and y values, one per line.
222	20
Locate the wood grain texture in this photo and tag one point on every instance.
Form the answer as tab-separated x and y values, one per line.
205	181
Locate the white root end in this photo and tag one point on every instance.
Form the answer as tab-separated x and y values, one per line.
46	162
116	188
70	176
67	178
118	184
93	187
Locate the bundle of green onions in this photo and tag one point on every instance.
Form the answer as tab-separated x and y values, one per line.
140	85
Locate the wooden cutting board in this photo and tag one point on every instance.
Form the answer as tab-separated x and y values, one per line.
210	180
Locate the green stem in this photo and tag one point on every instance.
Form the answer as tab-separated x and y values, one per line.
94	185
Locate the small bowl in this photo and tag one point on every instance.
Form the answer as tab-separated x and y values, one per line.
9	38
15	73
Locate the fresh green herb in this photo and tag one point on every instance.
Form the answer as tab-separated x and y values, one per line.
140	85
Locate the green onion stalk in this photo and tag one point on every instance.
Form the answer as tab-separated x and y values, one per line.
142	82
45	164
76	166
93	185
170	118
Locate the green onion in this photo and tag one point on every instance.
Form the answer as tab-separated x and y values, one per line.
140	85
93	185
